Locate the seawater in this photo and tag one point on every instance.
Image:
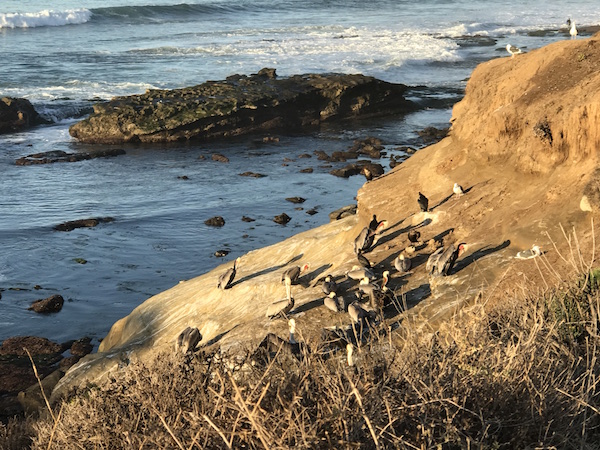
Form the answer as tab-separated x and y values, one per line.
67	57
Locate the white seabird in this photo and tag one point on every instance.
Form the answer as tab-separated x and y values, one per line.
458	190
513	50
573	30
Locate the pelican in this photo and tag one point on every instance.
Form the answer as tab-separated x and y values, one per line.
358	273
458	190
370	289
334	303
402	264
188	340
280	308
359	314
573	30
329	285
442	260
423	202
273	343
292	274
387	296
364	240
363	260
513	50
349	351
227	278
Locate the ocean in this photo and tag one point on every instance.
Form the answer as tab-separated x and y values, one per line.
66	58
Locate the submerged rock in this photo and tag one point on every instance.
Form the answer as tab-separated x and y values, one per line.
216	221
282	219
82	223
52	304
240	105
57	156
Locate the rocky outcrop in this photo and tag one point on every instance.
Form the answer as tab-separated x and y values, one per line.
240	105
58	156
82	223
520	186
17	114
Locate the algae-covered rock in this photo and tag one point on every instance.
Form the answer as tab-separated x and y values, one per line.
239	105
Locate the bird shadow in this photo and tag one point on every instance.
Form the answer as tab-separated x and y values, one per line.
307	306
478	254
266	271
305	280
408	300
391	236
441	202
218	337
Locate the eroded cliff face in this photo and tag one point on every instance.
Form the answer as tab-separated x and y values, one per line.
523	146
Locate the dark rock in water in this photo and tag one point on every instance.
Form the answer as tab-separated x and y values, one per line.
296	199
183	177
282	219
241	105
304	155
17	114
83	223
252	174
52	304
375	169
82	347
221	253
80	260
220	158
307	170
321	155
216	221
36	346
431	135
58	156
370	147
247	219
347	171
311	212
371	171
340	213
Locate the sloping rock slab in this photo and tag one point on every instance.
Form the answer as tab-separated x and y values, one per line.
60	156
240	105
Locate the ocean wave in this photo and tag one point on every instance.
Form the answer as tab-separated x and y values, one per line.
45	18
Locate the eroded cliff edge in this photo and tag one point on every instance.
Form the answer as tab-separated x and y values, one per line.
524	146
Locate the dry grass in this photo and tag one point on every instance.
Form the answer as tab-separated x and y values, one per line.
523	374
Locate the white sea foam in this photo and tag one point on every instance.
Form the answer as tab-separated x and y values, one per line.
45	18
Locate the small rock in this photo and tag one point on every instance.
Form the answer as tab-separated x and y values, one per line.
305	155
216	221
36	346
83	223
67	363
312	212
307	170
252	174
221	253
80	260
202	157
220	158
82	347
282	219
585	205
296	199
340	213
247	219
51	304
321	155
183	177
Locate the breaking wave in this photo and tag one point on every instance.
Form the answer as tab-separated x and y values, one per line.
45	18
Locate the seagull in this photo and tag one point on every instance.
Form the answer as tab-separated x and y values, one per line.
513	50
227	278
573	30
458	190
402	264
423	202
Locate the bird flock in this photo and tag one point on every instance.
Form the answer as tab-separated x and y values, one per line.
361	292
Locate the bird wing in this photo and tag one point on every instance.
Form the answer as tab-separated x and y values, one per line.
433	260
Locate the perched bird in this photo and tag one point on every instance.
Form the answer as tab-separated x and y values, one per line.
359	314
329	285
513	50
227	278
349	352
458	190
358	273
280	308
292	274
370	289
373	223
334	303
442	260
188	340
272	344
363	260
402	264
386	295
413	236
367	237
423	202
573	30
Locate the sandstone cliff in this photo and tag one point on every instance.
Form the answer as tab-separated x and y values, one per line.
522	144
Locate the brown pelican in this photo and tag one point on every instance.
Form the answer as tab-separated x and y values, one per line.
370	289
402	264
368	237
349	352
387	296
359	314
413	236
513	50
280	308
329	285
272	343
334	303
358	273
188	340
227	278
423	202
363	260
442	260
458	190
292	274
